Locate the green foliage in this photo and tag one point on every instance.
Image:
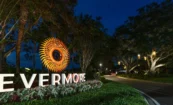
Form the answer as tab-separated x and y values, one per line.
90	74
41	92
88	39
44	18
149	30
25	94
164	78
54	91
109	94
97	75
138	76
168	79
102	78
48	91
5	97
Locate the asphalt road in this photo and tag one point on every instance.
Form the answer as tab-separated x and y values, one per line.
161	92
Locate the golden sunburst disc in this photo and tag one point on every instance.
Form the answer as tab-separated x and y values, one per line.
47	50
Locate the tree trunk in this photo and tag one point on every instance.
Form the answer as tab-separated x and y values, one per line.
127	71
42	68
1	50
22	23
4	63
2	59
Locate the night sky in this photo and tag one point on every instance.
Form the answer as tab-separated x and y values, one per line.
113	12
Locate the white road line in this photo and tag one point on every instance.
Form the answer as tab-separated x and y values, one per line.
155	102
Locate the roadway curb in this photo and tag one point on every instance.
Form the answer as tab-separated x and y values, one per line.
149	99
144	80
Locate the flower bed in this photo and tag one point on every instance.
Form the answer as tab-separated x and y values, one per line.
111	93
48	92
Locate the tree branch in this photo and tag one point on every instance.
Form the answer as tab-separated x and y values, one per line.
9	51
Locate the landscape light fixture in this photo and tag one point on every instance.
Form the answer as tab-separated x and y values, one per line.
100	64
27	69
145	58
119	63
139	56
153	53
125	67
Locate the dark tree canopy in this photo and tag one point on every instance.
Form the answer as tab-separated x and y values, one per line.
150	29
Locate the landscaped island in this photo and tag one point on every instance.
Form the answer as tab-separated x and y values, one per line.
111	93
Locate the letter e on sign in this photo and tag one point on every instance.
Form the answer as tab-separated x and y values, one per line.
2	82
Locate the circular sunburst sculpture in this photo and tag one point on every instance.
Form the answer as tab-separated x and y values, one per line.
54	54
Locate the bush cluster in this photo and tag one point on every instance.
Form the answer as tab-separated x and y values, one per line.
111	93
48	91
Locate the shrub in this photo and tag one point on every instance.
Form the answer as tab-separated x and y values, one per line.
48	91
111	93
5	97
104	80
97	75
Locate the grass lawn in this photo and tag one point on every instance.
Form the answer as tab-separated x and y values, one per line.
110	93
163	79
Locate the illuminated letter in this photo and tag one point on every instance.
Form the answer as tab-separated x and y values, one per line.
53	81
42	80
28	85
82	77
75	78
2	82
66	79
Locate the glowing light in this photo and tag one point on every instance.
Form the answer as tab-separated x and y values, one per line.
154	53
145	58
139	56
119	63
27	69
47	50
125	67
100	64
